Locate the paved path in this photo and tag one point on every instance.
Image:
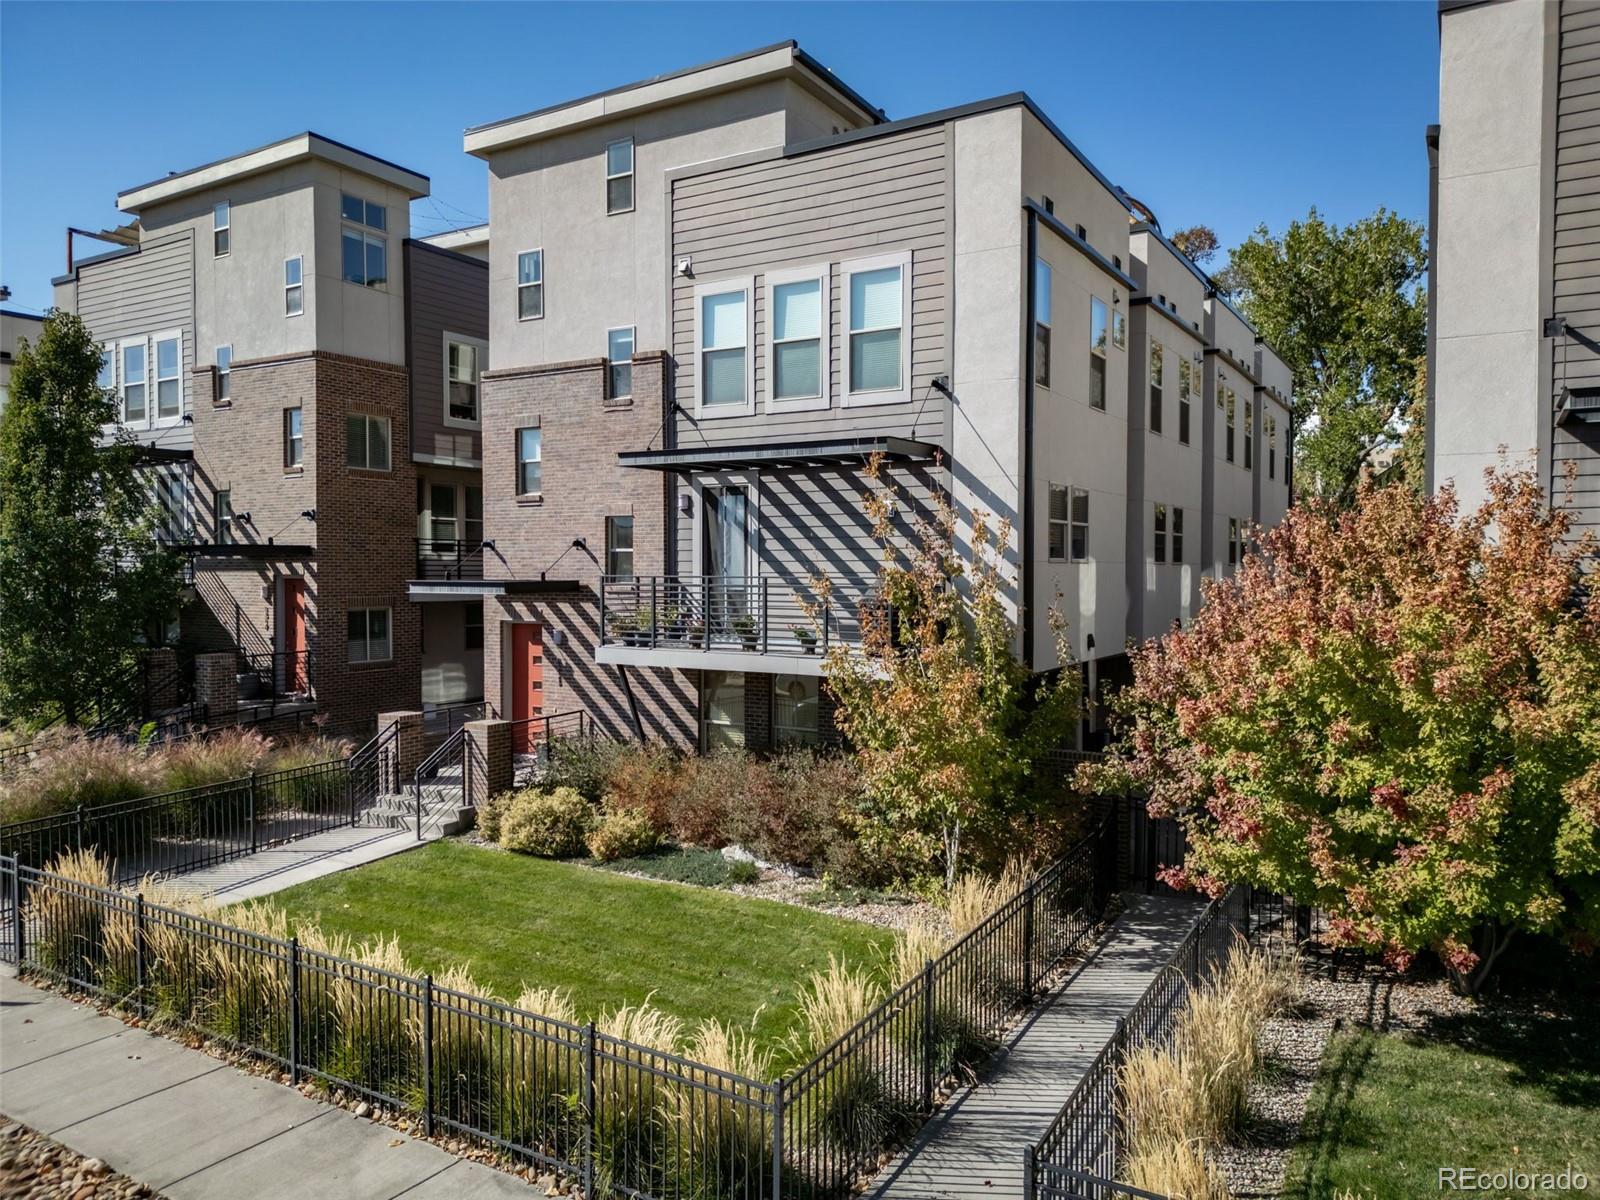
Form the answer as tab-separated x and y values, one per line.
283	866
194	1128
974	1146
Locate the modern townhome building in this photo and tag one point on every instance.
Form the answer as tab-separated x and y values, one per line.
13	325
1514	213
305	381
715	295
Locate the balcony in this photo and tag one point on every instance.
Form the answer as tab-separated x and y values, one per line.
441	559
758	623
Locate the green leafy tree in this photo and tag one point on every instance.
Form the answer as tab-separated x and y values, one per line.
945	720
1199	242
81	575
1393	714
1345	309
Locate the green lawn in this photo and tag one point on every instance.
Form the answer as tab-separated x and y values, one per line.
1496	1090
607	938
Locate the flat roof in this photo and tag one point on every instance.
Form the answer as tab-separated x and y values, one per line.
265	158
455	239
777	60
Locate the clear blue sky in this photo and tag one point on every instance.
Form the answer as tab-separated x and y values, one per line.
1229	114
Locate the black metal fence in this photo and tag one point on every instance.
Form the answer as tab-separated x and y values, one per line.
623	1118
757	614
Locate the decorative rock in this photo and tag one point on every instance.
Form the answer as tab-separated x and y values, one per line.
363	1109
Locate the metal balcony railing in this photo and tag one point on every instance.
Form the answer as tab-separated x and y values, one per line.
757	614
441	558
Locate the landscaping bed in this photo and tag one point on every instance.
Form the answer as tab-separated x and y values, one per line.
33	1166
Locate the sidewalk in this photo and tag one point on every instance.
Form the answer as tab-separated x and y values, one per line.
974	1146
194	1128
279	867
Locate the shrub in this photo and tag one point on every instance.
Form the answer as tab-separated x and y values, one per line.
701	807
549	824
74	771
69	918
742	871
374	1050
707	868
648	778
540	1075
629	1101
306	752
212	758
789	810
622	833
716	1137
832	1001
585	764
919	943
1178	1168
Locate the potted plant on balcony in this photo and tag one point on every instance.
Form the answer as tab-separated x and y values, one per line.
806	636
697	632
644	625
672	624
749	633
620	625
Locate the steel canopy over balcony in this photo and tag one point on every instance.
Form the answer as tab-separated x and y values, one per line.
761	623
812	452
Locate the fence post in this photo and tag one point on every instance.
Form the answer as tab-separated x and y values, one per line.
927	1034
777	1140
427	1055
1119	1052
252	810
20	927
1195	955
589	1115
138	952
294	1010
1029	1164
1027	942
416	791
80	828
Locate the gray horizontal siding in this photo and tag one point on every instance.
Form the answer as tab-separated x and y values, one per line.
443	293
1576	273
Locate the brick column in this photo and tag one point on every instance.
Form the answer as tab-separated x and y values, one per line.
399	761
160	668
488	760
216	687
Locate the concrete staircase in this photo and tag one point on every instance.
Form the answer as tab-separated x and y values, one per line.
445	811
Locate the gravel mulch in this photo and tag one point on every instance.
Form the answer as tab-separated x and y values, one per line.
32	1167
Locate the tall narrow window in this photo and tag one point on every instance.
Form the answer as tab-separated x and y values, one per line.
1233	541
1230	407
293	439
463	375
530	454
1041	323
619	547
619	176
107	378
169	381
1249	434
1185	391
619	358
797	362
472	625
172	508
795	704
442	527
222	508
1078	541
1097	353
722	711
1272	447
1119	329
724	342
134	407
365	253
1157	366
472	523
1158	543
224	372
530	285
1060	506
877	354
368	635
221	228
367	442
294	292
1177	535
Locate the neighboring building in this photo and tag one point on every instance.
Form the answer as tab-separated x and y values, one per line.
306	381
1514	286
13	325
716	293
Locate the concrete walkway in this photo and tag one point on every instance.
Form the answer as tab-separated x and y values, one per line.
283	866
974	1146
194	1128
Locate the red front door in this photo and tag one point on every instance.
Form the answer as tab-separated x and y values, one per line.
294	636
527	684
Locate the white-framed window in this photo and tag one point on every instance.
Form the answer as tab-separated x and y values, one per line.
877	294
1041	322
722	711
294	442
367	635
619	361
1097	353
1119	329
798	352
294	291
1186	389
1157	386
222	515
723	370
224	372
135	389
796	703
1177	534
367	441
169	377
530	461
107	378
1069	523
364	248
465	360
221	229
1158	541
619	176
619	547
530	285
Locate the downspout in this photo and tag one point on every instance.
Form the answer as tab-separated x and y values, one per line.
1433	310
1025	600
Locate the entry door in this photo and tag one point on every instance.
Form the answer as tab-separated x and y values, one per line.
725	549
527	683
296	674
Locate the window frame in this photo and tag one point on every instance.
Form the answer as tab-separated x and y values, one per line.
1158	531
1073	523
1271	423
224	362
744	284
294	293
367	635
471	623
538	252
629	175
519	462
481	345
293	441
123	346
173	500
1119	328
1177	535
821	274
368	233
613	550
614	365
808	735
1249	435
368	419
1186	377
1234	545
1157	388
1100	356
1043	287
222	234
704	721
1231	408
222	516
901	395
155	379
